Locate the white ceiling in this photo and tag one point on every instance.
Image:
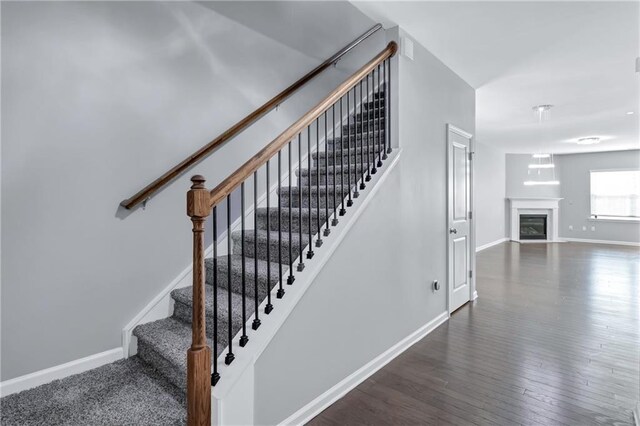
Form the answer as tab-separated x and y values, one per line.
578	56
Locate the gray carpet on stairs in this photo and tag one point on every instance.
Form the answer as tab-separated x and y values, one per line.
149	389
126	392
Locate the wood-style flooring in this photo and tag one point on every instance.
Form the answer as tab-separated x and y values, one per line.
552	340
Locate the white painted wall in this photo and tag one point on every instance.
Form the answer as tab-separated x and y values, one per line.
376	288
490	191
575	207
98	99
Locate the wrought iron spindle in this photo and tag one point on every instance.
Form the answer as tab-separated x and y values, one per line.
342	209
290	278
334	222
379	115
327	231
256	318
215	376
244	338
319	228
386	111
375	89
310	250
369	132
355	194
269	307
301	246
387	100
362	170
280	292
229	357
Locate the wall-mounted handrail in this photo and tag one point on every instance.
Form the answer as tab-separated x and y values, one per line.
225	188
180	168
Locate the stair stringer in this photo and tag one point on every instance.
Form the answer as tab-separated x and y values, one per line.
233	395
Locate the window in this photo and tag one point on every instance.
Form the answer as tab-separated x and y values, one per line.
615	194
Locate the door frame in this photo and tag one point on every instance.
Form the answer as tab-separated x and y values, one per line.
473	294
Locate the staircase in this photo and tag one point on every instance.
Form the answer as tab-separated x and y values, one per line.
261	256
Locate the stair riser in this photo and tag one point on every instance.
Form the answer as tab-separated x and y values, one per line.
355	140
362	128
369	106
358	158
174	374
261	247
236	277
314	200
295	220
183	313
339	179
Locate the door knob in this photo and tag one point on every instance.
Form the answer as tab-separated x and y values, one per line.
453	231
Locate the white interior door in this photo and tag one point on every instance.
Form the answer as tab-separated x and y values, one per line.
460	247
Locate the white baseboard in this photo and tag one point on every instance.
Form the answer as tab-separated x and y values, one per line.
491	244
617	243
636	414
312	409
61	371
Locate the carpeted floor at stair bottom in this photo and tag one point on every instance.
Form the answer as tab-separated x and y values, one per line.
126	392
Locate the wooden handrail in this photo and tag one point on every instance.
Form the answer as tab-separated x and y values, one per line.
180	168
246	170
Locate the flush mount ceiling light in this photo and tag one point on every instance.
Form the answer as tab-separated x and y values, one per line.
541	155
588	141
541	182
629	112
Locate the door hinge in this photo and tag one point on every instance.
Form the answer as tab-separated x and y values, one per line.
470	156
470	215
470	274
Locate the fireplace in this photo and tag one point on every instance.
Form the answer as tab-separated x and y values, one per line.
533	226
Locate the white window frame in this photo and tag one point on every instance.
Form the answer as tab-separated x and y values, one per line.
610	218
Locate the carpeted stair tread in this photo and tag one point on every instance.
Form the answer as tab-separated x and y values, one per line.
324	193
236	274
272	239
356	150
163	344
184	298
296	213
341	174
353	139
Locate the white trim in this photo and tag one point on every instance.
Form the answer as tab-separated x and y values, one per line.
313	408
636	414
614	219
491	244
617	243
61	371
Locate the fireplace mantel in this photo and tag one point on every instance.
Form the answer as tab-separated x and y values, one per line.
548	206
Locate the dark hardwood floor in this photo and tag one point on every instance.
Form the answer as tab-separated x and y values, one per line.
552	339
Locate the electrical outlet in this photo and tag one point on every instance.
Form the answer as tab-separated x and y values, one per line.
593	228
584	228
570	227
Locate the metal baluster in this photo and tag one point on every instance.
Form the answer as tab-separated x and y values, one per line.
244	338
342	210
301	245
269	307
280	292
229	357
215	376
369	131
379	115
387	102
319	227
334	222
376	124
355	194
362	170
327	231
290	278
256	320
310	250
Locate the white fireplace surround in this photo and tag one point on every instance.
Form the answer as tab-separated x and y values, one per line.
548	206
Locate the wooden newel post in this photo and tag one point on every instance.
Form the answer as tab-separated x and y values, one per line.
199	355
